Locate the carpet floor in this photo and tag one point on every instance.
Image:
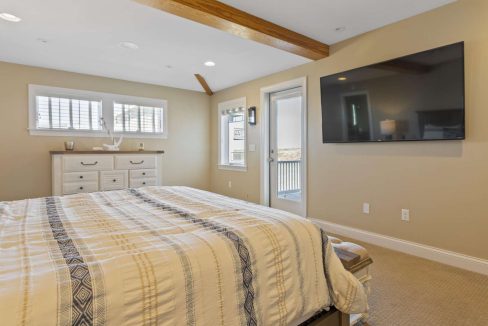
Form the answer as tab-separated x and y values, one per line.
411	291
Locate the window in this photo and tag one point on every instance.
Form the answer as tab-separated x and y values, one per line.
134	118
67	113
232	134
57	111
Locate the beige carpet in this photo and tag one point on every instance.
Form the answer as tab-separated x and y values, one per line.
412	291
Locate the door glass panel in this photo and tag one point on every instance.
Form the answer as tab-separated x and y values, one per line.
289	144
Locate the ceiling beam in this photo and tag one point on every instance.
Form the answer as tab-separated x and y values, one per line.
234	21
204	84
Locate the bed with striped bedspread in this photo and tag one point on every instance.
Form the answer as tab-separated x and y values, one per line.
164	256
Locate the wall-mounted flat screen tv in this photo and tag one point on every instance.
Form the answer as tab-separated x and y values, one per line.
416	97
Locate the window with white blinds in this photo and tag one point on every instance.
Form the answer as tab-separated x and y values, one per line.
138	119
68	113
56	111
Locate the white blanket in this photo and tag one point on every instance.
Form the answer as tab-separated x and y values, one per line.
164	256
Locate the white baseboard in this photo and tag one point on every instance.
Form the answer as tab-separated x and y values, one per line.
447	257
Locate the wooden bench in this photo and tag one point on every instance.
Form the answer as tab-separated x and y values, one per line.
356	260
351	261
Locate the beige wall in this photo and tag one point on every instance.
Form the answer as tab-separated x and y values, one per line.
25	164
445	184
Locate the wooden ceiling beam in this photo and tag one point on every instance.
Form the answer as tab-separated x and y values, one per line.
204	84
232	20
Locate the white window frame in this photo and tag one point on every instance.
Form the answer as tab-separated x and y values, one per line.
107	100
224	106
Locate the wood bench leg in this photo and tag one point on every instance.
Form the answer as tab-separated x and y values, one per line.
344	319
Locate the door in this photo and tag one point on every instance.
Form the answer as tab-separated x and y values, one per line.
286	150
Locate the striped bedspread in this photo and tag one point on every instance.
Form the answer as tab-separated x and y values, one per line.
164	256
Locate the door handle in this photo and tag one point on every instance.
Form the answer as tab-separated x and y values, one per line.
270	159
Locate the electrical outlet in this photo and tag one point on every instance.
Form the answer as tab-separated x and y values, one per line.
405	215
366	208
229	184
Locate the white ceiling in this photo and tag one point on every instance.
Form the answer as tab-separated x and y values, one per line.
318	19
84	36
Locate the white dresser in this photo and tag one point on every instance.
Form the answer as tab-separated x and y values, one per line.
90	171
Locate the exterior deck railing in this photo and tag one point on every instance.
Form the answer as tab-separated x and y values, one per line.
288	177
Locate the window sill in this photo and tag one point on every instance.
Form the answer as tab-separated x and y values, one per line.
65	133
142	135
97	134
240	168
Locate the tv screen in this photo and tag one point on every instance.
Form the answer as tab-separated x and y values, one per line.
416	97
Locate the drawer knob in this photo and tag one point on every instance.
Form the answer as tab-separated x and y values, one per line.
81	177
143	173
81	188
114	180
142	161
144	183
88	164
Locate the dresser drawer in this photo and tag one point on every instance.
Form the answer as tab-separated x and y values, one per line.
77	187
113	180
135	174
142	182
80	177
135	162
75	163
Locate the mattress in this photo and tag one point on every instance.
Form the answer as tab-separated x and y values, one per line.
165	256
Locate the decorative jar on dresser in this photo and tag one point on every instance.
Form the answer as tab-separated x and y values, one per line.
90	171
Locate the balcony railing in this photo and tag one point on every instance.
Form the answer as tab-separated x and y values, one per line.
288	177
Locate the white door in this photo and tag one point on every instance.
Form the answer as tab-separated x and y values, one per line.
286	150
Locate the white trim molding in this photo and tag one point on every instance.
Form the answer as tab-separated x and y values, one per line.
439	255
223	144
238	168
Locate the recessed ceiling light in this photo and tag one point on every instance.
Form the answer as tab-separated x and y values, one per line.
129	45
10	17
209	64
340	29
342	78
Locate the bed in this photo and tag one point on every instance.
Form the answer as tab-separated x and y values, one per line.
165	256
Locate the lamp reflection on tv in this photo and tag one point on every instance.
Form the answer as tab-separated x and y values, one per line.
388	128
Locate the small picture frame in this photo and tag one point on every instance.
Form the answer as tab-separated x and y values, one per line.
251	116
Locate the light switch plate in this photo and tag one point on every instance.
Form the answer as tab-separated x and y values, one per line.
366	208
252	147
405	215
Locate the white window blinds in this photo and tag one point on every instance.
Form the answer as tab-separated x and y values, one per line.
56	111
138	119
67	113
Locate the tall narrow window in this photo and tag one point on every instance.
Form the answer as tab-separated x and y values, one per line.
232	129
54	113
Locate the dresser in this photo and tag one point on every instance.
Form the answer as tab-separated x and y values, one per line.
90	171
